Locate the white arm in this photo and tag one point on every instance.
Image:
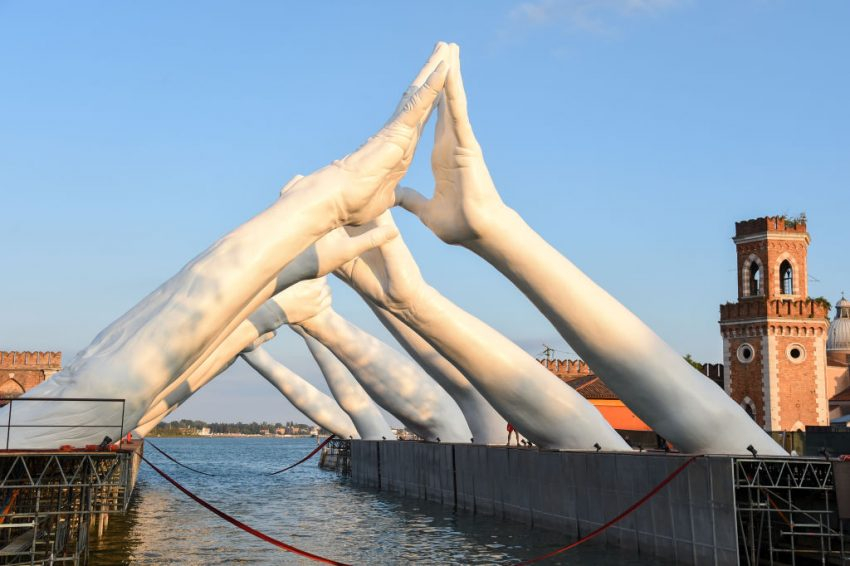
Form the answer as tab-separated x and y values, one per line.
487	425
647	374
541	407
189	315
392	380
259	327
348	393
318	407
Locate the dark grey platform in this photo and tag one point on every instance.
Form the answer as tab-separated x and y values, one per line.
691	521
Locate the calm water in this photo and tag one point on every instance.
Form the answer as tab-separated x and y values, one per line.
308	508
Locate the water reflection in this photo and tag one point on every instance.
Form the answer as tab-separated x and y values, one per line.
308	508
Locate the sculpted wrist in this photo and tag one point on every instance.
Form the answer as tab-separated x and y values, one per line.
315	324
319	200
503	223
421	308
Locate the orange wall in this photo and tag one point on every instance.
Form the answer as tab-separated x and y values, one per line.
618	415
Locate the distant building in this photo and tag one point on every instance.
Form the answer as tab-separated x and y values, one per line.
838	360
579	376
778	367
21	371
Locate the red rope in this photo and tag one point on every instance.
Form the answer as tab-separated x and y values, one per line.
240	524
616	519
161	451
307	457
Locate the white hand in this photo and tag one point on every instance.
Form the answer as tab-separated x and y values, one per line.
300	302
387	274
331	250
465	201
360	185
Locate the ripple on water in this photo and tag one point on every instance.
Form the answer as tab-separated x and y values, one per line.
310	508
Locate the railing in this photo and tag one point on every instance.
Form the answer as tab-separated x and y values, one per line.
6	401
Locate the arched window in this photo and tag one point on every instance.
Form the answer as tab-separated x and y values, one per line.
754	279
749	407
786	278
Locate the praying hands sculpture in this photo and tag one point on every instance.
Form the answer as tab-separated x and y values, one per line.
264	274
653	380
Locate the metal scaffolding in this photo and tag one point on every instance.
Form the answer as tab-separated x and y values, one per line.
336	456
786	512
51	500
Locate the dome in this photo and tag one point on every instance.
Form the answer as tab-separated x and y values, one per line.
839	330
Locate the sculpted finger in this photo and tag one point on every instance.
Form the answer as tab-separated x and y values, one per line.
411	200
441	53
456	102
419	105
374	238
292	182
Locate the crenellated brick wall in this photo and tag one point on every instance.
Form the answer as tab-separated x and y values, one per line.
776	308
31	360
768	224
21	371
566	368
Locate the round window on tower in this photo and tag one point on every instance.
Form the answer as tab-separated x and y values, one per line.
746	353
796	353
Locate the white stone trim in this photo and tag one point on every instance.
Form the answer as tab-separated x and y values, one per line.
770	384
791	358
816	323
745	276
727	367
761	236
749	402
795	275
820	382
739	353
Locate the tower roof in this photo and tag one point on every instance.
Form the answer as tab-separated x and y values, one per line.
838	339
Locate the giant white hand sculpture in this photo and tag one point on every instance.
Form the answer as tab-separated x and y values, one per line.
647	374
318	407
486	424
189	315
392	380
541	407
348	393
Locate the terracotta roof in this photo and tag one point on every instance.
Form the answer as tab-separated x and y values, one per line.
591	387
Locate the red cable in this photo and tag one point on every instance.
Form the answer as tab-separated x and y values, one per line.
307	457
161	451
616	519
240	524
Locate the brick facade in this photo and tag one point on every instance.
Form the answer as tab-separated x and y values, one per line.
21	371
774	336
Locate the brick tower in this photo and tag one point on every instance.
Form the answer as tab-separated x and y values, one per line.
774	336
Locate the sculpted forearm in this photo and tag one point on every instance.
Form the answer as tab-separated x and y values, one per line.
392	380
486	424
541	406
317	406
641	368
348	393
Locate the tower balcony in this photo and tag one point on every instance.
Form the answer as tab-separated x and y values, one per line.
774	308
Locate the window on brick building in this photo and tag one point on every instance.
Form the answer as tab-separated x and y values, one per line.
786	278
754	279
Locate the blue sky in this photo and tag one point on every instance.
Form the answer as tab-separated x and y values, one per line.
631	133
